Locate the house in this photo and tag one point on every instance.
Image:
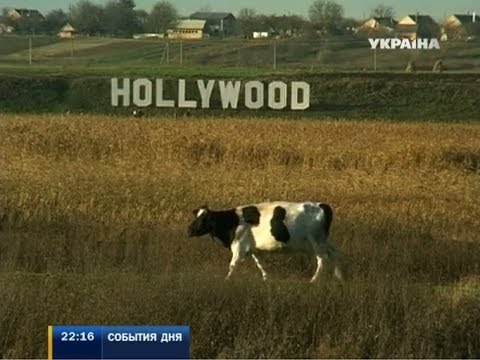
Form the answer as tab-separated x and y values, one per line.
188	30
67	32
17	14
461	27
218	23
263	33
377	26
6	29
25	20
148	36
417	26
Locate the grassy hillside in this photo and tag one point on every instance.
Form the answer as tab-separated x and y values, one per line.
427	97
344	54
94	212
14	44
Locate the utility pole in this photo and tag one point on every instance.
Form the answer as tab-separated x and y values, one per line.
30	50
168	52
181	52
274	54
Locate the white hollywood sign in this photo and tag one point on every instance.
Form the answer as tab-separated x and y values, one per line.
402	44
140	92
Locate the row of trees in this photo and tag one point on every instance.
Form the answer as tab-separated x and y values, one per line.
115	18
121	18
324	16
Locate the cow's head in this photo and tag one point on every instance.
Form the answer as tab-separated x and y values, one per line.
203	222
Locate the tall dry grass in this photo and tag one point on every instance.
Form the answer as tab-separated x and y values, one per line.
94	213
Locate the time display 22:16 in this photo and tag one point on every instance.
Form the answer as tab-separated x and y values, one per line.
82	336
118	342
74	342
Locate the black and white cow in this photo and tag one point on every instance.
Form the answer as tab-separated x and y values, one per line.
273	226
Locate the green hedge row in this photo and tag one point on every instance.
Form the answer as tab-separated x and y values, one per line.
450	97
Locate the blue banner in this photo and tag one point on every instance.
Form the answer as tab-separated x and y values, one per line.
118	342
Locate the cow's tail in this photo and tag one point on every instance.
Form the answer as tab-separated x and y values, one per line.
328	213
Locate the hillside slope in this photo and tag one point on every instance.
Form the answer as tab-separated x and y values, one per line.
345	54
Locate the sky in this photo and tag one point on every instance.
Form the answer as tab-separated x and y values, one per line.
353	8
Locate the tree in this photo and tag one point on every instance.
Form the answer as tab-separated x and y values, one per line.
383	11
87	18
350	24
162	16
120	18
326	15
289	25
55	20
247	13
142	18
205	8
248	21
282	25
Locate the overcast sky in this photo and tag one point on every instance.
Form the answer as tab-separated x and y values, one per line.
353	8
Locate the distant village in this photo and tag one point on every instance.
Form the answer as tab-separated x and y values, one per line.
247	24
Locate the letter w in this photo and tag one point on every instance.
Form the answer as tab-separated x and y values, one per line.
229	93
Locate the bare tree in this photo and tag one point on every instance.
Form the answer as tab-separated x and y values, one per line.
247	20
142	17
247	13
162	16
54	20
326	15
120	18
87	17
205	8
383	11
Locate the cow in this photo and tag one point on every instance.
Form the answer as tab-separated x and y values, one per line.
276	226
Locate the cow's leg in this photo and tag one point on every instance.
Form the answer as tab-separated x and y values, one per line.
332	253
239	251
235	258
320	252
319	267
264	273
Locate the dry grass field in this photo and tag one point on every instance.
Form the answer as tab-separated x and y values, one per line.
93	231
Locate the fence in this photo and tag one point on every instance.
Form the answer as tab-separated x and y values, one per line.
336	54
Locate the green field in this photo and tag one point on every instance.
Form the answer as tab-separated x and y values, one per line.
317	55
72	76
94	208
94	211
427	97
